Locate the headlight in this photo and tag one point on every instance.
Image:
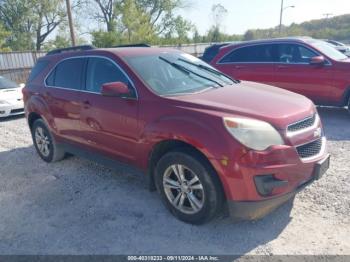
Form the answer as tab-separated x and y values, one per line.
255	134
3	102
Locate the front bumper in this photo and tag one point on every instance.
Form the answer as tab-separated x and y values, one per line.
11	110
253	210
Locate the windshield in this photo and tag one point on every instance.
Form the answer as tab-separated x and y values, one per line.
328	50
6	83
170	74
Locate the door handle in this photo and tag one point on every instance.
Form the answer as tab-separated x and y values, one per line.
282	67
239	67
86	104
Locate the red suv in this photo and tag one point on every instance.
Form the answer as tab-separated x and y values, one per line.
303	65
205	140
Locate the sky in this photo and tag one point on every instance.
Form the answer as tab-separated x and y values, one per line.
252	14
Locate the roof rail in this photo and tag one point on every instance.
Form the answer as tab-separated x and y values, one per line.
133	45
71	49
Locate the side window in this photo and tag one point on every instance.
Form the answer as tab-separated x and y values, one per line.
293	53
101	71
67	74
251	54
50	80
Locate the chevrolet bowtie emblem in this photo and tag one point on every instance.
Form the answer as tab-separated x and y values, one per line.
318	132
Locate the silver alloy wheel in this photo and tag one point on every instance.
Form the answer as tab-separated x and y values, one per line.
42	141
183	189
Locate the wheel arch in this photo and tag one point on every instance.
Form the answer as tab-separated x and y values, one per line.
32	117
346	97
165	146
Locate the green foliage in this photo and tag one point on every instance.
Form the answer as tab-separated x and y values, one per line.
30	21
337	28
62	39
105	39
136	23
3	36
16	17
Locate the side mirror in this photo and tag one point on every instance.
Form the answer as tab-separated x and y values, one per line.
317	60
117	89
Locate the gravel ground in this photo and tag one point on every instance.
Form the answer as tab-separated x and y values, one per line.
79	207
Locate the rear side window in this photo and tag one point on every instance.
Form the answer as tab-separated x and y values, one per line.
251	54
101	71
67	74
37	69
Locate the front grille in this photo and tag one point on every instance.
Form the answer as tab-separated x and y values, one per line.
310	149
16	111
307	122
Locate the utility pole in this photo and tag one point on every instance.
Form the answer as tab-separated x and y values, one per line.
70	21
281	14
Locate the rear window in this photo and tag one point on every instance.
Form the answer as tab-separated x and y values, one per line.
37	69
211	51
7	83
67	74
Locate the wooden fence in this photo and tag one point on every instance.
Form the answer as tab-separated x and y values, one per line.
17	65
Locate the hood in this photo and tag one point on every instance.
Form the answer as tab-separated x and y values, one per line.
248	99
11	94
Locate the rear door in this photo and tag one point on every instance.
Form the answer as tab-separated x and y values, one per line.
62	95
251	63
109	124
295	73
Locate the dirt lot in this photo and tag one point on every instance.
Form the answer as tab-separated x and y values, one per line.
78	207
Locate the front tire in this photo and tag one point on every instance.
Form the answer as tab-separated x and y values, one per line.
189	187
45	144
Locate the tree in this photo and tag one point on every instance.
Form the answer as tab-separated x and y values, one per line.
30	21
3	36
105	39
197	38
218	12
49	14
108	13
135	23
161	14
16	17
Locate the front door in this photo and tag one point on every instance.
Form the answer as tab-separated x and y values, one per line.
109	124
294	72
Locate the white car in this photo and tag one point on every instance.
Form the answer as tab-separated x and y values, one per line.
11	99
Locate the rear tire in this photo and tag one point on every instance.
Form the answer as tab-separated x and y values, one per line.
45	144
189	187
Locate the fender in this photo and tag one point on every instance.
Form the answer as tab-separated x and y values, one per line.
204	137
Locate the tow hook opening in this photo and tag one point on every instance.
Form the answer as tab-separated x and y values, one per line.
265	184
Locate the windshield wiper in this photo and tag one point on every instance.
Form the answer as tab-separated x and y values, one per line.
188	71
209	69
